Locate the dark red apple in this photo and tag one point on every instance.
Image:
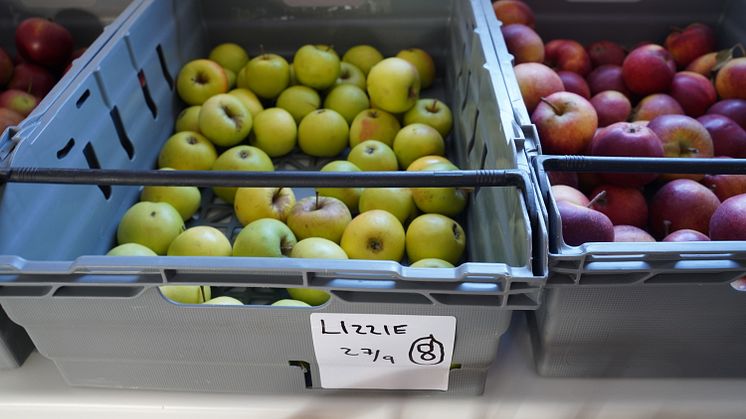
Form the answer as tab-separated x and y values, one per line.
536	81
607	77
631	140
728	138
680	204
704	64
685	45
18	101
569	194
734	109
566	122
513	11
686	235
564	178
568	55
729	220
611	107
44	42
6	67
627	233
725	186
730	81
694	92
623	205
655	105
524	43
648	69
582	224
682	136
33	79
575	83
606	52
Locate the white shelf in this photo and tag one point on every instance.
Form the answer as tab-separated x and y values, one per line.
514	391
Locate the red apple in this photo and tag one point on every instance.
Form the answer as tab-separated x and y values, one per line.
33	79
627	233
704	64
536	81
725	186
623	205
607	77
686	235
568	55
606	52
18	101
9	118
682	136
611	106
631	140
6	67
694	92
564	178
524	43
734	109
729	220
582	224
574	83
648	69
730	81
687	44
566	122
44	42
728	138
569	194
655	105
513	11
679	204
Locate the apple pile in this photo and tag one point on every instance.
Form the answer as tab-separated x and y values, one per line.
44	51
362	112
681	98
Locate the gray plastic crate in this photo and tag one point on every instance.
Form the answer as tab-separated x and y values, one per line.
101	319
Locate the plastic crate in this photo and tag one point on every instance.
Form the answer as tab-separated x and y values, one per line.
102	320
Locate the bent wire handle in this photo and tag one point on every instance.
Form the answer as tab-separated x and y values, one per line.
642	164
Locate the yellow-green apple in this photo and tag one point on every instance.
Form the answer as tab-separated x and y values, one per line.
267	75
185	199
187	150
241	157
319	216
348	100
316	66
375	235
648	69
265	237
18	101
704	64
249	100
611	106
443	200
152	224
131	249
229	55
415	141
679	204
287	302
299	101
241	79
363	57
655	105
43	42
686	235
423	161
200	79
536	81
581	224
523	43
310	296
682	136
373	155
734	109
224	120
725	186
605	52
423	62
570	194
224	300
435	236
694	92
397	201
393	85
728	138
575	83
623	205
566	123
727	223
626	139
186	294
317	248
323	133
350	196
275	132
374	124
200	241
568	55
188	119
431	263
628	233
513	11
349	74
231	78
689	43
431	112
607	77
251	204
730	81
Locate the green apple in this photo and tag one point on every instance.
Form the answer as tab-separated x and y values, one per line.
350	196
229	55
275	132
224	300
363	57
187	150
186	199
267	75
265	237
423	62
431	112
131	249
198	80
323	133
286	302
316	66
376	235
188	119
423	161
299	101
249	100
241	82
431	263
373	155
415	141
348	100
435	236
231	78
152	224
241	157
319	216
374	124
317	248
397	201
224	120
349	74
445	201
293	79
252	204
186	294
393	85
310	296
200	241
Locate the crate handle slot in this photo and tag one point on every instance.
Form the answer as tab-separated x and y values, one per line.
642	164
164	67
124	139
65	150
146	94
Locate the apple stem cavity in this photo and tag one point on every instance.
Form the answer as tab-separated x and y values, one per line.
433	108
552	105
375	245
316	204
666	227
597	199
691	150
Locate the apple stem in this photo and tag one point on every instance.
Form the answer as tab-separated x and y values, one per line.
316	205
692	150
552	105
601	195
433	106
666	227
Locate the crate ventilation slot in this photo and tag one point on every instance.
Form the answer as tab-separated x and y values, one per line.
473	138
164	67
97	291
90	157
466	92
381	297
124	139
81	100
61	153
146	94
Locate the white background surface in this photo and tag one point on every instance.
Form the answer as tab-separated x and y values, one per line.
514	391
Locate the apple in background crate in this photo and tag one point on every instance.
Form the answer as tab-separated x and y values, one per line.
680	204
536	81
566	122
729	220
44	42
655	105
648	69
524	43
319	216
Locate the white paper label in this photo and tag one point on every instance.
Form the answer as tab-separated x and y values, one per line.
382	351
